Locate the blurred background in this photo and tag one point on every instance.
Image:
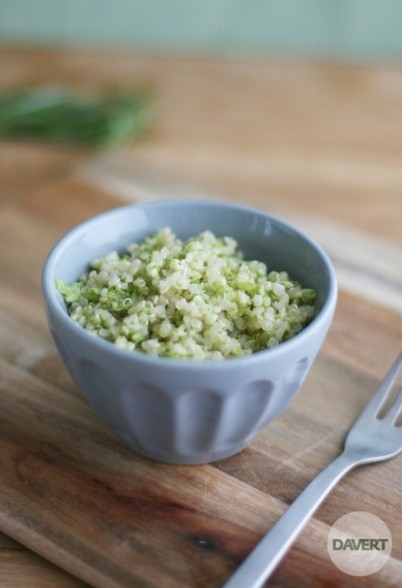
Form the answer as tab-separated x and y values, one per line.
294	104
367	30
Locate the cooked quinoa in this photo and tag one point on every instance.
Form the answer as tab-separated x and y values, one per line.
194	299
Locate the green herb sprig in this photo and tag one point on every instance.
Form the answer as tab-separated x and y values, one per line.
56	115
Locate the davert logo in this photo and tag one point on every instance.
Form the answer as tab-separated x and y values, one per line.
359	543
365	544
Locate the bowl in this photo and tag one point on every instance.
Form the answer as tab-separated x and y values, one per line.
187	411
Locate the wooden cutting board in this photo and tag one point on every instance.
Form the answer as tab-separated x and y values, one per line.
72	492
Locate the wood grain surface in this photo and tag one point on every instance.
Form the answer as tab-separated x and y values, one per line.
315	140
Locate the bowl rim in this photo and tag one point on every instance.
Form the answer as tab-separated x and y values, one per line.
51	295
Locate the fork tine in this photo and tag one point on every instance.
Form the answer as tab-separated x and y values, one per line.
395	409
374	405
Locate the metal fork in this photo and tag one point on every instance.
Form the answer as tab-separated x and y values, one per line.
369	440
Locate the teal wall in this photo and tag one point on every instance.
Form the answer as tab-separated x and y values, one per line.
368	30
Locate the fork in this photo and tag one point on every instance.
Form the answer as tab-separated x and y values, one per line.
370	439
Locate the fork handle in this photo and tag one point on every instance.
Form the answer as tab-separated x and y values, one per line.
262	561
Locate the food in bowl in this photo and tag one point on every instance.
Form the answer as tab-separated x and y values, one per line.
188	299
188	411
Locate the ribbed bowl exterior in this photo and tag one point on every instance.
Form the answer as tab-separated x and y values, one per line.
185	416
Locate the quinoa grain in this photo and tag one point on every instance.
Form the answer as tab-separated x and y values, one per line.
194	299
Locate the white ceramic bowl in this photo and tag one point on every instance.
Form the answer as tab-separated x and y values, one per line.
188	411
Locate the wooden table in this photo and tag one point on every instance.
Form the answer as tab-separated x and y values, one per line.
319	144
